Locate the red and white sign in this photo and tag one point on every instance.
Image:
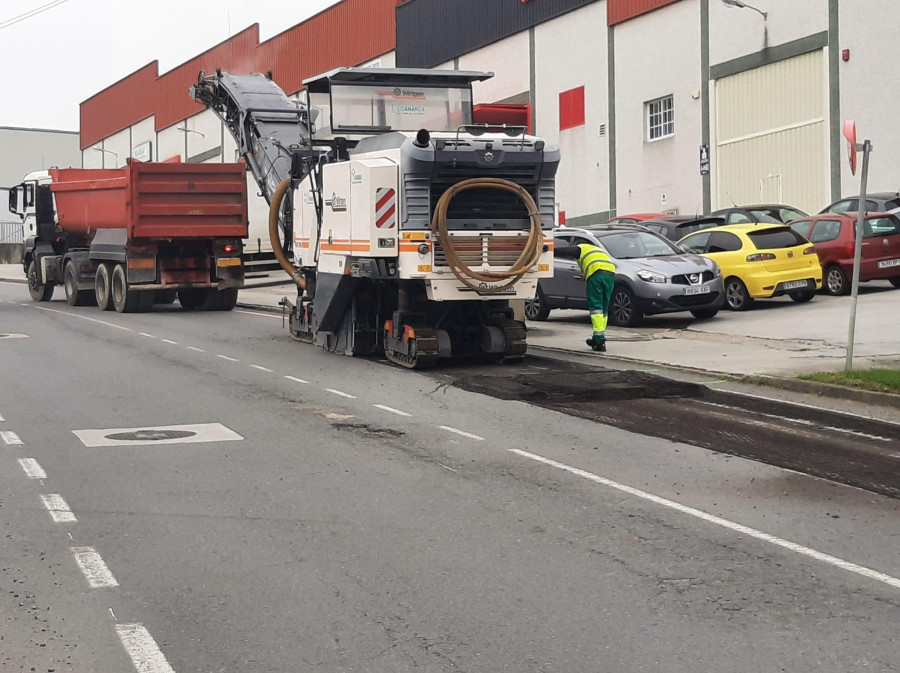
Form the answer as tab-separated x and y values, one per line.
385	208
850	135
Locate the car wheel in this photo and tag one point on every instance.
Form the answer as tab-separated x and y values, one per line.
895	281
623	308
704	313
836	281
537	309
736	296
802	297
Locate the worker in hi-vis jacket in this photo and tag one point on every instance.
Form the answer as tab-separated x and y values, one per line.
599	272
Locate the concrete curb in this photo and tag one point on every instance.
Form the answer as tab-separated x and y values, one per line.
13	280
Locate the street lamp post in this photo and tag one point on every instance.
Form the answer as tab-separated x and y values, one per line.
105	152
743	5
186	130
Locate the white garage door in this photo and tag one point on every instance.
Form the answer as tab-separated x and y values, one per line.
772	135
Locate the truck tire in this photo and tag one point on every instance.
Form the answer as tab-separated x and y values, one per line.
212	300
191	299
124	298
38	292
166	296
74	296
102	284
228	298
146	301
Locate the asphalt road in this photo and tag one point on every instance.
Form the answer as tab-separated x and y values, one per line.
346	515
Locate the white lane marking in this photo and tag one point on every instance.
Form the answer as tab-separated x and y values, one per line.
191	433
799	421
195	349
261	315
32	468
143	650
58	508
295	379
2	419
149	336
461	432
225	357
94	569
262	369
83	317
719	521
391	410
815	408
113	615
341	393
169	341
10	437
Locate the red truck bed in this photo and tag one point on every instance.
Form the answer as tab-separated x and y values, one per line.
154	200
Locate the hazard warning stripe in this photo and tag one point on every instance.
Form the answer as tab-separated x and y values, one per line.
385	208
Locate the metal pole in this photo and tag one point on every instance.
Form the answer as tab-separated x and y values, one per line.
857	253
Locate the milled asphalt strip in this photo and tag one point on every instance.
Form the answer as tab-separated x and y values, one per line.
32	468
801	405
142	648
11	438
58	508
83	317
719	521
93	568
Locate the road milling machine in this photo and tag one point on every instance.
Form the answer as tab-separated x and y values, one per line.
406	227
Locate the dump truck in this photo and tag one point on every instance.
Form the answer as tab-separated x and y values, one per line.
131	237
406	227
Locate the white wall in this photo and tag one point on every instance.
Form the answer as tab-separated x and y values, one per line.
388	60
142	132
737	32
571	51
646	69
25	150
870	89
508	60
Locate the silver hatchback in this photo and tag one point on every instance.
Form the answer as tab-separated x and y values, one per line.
653	275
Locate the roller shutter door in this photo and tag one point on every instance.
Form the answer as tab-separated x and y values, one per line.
772	134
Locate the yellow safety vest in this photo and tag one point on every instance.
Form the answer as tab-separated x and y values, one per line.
594	259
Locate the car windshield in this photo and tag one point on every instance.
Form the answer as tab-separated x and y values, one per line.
635	244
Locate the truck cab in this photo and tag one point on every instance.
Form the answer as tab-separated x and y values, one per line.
22	200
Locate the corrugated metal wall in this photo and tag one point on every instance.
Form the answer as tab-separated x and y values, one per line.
618	11
431	32
346	34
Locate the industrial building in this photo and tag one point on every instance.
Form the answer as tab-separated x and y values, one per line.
658	105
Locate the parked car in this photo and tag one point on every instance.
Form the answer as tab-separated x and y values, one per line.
760	214
676	227
834	236
636	217
759	260
652	276
879	202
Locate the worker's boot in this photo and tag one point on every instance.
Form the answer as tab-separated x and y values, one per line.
599	347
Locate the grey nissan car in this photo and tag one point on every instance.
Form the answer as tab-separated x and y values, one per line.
653	275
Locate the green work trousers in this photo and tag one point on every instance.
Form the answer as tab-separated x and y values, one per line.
599	290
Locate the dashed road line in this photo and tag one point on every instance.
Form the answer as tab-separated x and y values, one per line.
32	468
142	648
341	393
149	336
391	410
169	341
1	418
719	521
225	357
262	369
11	438
295	379
461	432
195	349
83	317
93	567
58	508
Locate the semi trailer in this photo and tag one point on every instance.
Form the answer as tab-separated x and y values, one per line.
131	237
407	228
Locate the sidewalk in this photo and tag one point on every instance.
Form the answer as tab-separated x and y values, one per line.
777	338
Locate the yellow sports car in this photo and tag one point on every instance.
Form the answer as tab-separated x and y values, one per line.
759	260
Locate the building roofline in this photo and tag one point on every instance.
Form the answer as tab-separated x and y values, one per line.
37	130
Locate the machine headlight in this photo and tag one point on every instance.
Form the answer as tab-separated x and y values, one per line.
651	276
717	271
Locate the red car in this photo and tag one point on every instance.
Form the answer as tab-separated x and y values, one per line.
833	236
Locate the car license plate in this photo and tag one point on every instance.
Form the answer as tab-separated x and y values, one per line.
795	284
888	263
704	289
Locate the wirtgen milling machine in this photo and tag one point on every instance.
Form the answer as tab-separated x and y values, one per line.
406	227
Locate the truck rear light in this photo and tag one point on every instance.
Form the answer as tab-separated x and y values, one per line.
760	257
811	250
228	248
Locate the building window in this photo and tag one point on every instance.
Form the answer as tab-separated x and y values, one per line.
571	108
660	114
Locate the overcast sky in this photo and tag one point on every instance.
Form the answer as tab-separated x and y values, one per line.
60	57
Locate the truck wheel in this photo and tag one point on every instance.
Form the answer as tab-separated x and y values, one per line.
74	296
124	298
102	292
166	296
212	300
228	298
38	292
190	299
146	300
